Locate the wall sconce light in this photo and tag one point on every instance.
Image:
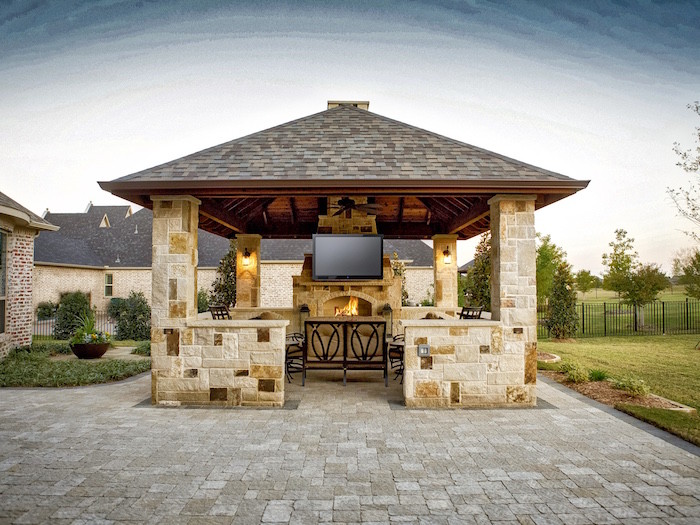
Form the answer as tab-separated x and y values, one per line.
246	257
446	256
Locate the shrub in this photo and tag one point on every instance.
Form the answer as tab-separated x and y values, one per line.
51	348
202	300
574	372
46	310
116	305
71	307
597	375
134	318
632	385
143	348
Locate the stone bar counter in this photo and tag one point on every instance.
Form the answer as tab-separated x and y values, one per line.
220	362
472	363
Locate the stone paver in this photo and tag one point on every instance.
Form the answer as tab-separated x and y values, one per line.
102	454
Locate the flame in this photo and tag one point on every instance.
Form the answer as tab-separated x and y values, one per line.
348	309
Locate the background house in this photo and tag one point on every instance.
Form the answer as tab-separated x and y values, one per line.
106	252
18	229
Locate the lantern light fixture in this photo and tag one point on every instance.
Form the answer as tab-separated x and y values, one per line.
246	257
446	256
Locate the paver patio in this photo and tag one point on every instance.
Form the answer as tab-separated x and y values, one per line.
103	454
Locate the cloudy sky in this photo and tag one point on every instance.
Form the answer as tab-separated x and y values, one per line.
96	89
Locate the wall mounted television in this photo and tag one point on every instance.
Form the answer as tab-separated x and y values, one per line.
347	257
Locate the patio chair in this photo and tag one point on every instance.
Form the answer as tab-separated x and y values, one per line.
396	350
365	348
294	354
219	312
471	312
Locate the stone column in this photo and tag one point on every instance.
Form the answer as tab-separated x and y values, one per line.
174	278
248	276
513	281
446	288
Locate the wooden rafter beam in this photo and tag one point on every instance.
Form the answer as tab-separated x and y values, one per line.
293	208
401	204
477	213
212	211
434	208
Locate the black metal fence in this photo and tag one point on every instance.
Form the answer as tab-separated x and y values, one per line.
44	328
610	319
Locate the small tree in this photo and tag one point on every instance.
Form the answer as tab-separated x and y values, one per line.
687	268
399	268
477	284
687	200
549	257
223	289
71	307
585	282
643	287
621	262
562	319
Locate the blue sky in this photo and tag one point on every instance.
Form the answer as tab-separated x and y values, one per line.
93	90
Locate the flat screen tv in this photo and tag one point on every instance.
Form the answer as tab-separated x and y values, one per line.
347	257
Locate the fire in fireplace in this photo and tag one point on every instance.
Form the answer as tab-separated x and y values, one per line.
351	308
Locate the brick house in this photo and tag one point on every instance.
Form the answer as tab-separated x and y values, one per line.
18	229
105	252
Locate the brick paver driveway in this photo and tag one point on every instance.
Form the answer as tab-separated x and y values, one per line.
101	454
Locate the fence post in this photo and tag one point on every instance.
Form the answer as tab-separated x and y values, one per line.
663	317
687	316
605	320
583	319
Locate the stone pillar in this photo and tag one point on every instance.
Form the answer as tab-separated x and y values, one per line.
19	313
446	288
174	281
513	281
248	276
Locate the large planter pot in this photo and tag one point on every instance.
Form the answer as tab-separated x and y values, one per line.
89	350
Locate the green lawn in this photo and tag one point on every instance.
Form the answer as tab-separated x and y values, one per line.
673	293
670	365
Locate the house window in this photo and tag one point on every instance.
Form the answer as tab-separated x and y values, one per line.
3	279
108	285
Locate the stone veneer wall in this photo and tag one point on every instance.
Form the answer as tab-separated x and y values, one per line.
18	288
228	363
469	366
276	283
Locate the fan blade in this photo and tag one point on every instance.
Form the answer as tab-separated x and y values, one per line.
341	210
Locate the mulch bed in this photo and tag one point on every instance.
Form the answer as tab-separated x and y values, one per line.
605	393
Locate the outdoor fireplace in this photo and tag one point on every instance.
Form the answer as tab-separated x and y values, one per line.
347	305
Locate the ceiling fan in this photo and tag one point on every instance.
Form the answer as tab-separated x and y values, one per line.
346	204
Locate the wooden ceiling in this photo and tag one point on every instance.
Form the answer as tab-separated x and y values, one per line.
398	217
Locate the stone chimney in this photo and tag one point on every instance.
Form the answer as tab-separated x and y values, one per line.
362	104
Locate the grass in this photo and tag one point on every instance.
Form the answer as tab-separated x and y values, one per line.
670	365
674	293
683	425
33	367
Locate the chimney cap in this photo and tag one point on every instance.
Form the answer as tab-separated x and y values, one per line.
361	104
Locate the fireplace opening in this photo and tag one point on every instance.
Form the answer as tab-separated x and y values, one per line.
347	306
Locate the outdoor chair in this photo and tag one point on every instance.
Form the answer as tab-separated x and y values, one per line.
294	354
365	348
471	312
396	350
219	312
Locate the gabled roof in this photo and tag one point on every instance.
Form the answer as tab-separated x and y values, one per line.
275	182
127	243
26	217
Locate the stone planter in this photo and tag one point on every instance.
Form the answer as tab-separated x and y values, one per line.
89	350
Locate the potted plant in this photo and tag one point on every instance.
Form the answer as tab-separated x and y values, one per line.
87	342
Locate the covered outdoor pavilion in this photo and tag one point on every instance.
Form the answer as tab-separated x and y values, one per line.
399	181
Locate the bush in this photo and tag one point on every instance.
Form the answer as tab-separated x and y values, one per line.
143	348
202	300
597	375
574	372
71	307
562	319
632	385
46	310
133	317
116	305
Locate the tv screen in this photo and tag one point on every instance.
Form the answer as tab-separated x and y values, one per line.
347	257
